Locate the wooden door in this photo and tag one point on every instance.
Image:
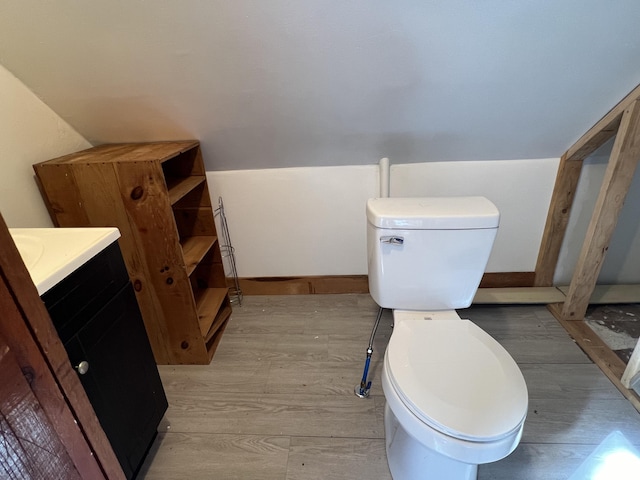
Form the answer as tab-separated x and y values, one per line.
30	448
34	373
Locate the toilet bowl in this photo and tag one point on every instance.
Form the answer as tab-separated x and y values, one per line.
454	397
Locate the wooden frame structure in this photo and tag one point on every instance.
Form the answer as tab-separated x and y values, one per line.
623	122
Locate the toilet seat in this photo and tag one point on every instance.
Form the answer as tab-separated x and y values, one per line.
457	379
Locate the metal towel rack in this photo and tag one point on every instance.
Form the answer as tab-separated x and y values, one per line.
228	254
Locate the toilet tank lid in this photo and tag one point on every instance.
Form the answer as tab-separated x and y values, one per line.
432	213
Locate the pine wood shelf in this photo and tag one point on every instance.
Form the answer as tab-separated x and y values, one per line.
157	195
209	302
194	249
179	187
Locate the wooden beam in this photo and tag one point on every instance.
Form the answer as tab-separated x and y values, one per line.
610	294
507	279
325	284
557	221
602	131
518	296
498	288
303	285
566	183
622	165
602	295
610	364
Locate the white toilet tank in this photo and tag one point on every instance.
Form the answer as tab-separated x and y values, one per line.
428	253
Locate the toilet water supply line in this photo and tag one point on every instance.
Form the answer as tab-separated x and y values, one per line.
362	390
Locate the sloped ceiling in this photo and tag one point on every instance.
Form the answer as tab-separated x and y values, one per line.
278	83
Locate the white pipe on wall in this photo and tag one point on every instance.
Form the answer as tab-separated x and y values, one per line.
384	177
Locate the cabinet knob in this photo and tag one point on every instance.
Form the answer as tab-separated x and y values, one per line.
82	367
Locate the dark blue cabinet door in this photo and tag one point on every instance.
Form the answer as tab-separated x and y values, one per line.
121	378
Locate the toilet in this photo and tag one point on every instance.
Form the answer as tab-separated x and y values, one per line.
454	397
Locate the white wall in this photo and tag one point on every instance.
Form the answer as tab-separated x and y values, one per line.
521	189
311	221
30	132
297	221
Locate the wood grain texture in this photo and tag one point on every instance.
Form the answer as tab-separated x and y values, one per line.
29	445
156	194
303	285
603	130
61	195
617	179
194	249
220	456
555	227
97	184
152	216
613	123
194	221
330	284
523	295
507	279
181	187
287	366
28	329
329	458
127	152
610	364
610	294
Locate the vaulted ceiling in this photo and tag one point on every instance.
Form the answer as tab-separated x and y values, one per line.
278	83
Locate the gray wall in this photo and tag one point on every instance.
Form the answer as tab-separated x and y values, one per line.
277	83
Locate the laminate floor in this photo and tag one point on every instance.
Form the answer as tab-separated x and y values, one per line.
277	400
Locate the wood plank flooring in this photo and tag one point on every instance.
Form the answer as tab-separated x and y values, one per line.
277	400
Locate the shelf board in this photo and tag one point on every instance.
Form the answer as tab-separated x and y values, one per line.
195	248
179	186
214	341
208	303
518	295
222	316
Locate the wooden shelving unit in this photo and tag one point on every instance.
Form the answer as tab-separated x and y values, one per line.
157	195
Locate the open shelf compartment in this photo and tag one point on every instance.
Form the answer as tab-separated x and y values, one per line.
194	249
180	186
209	303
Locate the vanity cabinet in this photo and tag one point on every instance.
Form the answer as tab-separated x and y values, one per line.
97	317
156	194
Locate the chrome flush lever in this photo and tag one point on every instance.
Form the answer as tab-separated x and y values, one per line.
393	240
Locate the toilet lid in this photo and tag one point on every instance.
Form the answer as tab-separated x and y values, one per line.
456	378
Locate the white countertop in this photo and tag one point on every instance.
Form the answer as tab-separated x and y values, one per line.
51	254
